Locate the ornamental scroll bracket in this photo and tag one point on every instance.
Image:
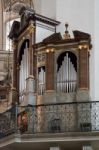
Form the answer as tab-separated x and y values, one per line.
31	28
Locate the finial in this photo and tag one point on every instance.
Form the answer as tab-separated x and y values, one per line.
66	25
66	35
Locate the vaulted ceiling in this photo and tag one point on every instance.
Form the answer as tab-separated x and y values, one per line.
15	5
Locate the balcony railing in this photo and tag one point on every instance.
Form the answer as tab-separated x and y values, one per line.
51	118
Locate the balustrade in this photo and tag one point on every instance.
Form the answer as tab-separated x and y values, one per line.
51	118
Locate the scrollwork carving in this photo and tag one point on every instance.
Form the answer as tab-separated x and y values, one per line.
41	58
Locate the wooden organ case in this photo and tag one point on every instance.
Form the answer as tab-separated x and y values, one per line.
52	69
48	69
31	29
63	68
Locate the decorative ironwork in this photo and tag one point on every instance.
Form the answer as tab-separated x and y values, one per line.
8	122
52	118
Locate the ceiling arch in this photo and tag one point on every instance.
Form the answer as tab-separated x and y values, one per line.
15	5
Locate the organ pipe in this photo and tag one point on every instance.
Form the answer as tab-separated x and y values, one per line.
66	76
41	78
23	74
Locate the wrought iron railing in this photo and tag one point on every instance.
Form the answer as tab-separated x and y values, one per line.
51	118
8	122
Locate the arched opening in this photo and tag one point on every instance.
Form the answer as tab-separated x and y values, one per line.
66	72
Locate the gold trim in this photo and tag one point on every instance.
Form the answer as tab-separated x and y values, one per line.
83	46
27	31
50	50
83	88
49	91
31	28
14	45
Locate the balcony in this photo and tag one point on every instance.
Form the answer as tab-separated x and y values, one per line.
68	118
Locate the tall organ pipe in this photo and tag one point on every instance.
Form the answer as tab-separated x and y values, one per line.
66	75
23	71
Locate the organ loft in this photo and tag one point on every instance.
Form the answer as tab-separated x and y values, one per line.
48	68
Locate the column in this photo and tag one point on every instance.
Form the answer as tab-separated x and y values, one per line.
30	56
14	78
32	31
83	68
30	81
83	73
18	77
50	71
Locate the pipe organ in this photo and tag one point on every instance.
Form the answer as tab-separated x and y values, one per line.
41	73
66	74
41	80
23	72
54	70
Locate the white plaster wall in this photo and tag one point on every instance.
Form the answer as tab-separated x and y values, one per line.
96	52
79	14
42	33
48	8
37	6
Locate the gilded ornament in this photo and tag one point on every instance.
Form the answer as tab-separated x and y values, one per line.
83	46
14	46
31	28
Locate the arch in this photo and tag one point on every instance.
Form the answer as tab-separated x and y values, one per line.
21	49
71	55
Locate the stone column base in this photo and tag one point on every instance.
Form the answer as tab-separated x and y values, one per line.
30	91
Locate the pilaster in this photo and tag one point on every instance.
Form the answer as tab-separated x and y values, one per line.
83	73
49	70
